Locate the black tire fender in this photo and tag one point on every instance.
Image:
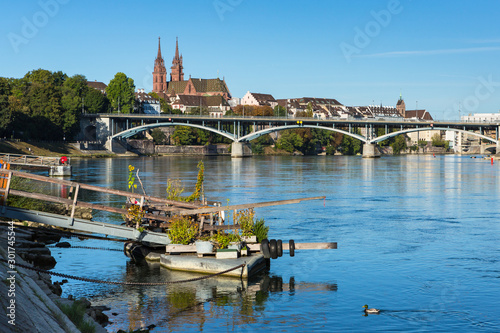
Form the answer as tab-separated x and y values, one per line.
279	247
291	247
273	248
264	248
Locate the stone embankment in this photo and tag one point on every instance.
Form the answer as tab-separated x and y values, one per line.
29	299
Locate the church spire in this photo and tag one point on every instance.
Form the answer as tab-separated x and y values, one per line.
177	74
159	49
177	48
160	72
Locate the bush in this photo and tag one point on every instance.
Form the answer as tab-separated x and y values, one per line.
182	231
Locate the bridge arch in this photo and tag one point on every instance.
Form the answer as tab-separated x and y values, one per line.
255	135
133	131
393	134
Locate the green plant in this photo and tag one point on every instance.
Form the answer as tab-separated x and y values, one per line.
222	239
245	218
175	189
182	231
131	178
135	215
75	313
260	230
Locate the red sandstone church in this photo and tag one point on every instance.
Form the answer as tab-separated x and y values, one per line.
177	86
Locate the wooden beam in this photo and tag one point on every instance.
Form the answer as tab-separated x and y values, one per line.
300	246
242	206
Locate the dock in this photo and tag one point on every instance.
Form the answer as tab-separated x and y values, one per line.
156	216
56	166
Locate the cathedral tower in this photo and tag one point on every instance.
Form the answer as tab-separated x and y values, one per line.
177	74
160	73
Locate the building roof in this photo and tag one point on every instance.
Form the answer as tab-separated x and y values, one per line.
200	85
263	99
145	98
195	101
418	114
97	85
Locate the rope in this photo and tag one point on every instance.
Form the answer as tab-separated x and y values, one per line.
125	283
83	247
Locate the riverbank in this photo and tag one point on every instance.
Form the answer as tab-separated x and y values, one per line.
31	301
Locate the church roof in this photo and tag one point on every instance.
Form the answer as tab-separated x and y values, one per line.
206	101
200	86
176	86
419	114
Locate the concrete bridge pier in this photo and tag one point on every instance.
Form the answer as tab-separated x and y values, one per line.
241	149
370	150
116	146
498	148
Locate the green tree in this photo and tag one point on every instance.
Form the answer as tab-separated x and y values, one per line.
6	116
350	145
158	136
183	136
279	111
95	101
437	141
73	91
289	141
120	91
399	144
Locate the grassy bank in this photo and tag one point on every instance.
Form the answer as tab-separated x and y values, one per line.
39	148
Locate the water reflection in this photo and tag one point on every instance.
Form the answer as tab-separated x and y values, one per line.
193	305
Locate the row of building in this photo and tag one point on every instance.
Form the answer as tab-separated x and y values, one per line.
214	96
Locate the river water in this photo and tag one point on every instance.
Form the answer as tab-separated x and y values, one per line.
418	237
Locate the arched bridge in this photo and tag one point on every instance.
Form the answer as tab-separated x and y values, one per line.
242	130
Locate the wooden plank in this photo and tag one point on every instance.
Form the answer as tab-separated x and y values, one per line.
300	246
101	189
221	227
179	248
243	206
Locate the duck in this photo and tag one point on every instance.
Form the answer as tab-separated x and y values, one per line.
371	311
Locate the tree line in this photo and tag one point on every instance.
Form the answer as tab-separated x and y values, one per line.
45	105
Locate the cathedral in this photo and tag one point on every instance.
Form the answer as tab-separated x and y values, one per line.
176	86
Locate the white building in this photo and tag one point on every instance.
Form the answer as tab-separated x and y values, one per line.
258	99
148	104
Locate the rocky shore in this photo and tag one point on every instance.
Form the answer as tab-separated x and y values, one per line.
31	302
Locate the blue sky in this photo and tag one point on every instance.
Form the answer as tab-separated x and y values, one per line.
439	54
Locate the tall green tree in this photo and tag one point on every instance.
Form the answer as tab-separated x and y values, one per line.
120	91
73	91
95	101
399	144
5	111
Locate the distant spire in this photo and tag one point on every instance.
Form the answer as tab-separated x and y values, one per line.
176	47
159	49
400	96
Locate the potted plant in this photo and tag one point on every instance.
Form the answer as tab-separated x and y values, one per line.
204	245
